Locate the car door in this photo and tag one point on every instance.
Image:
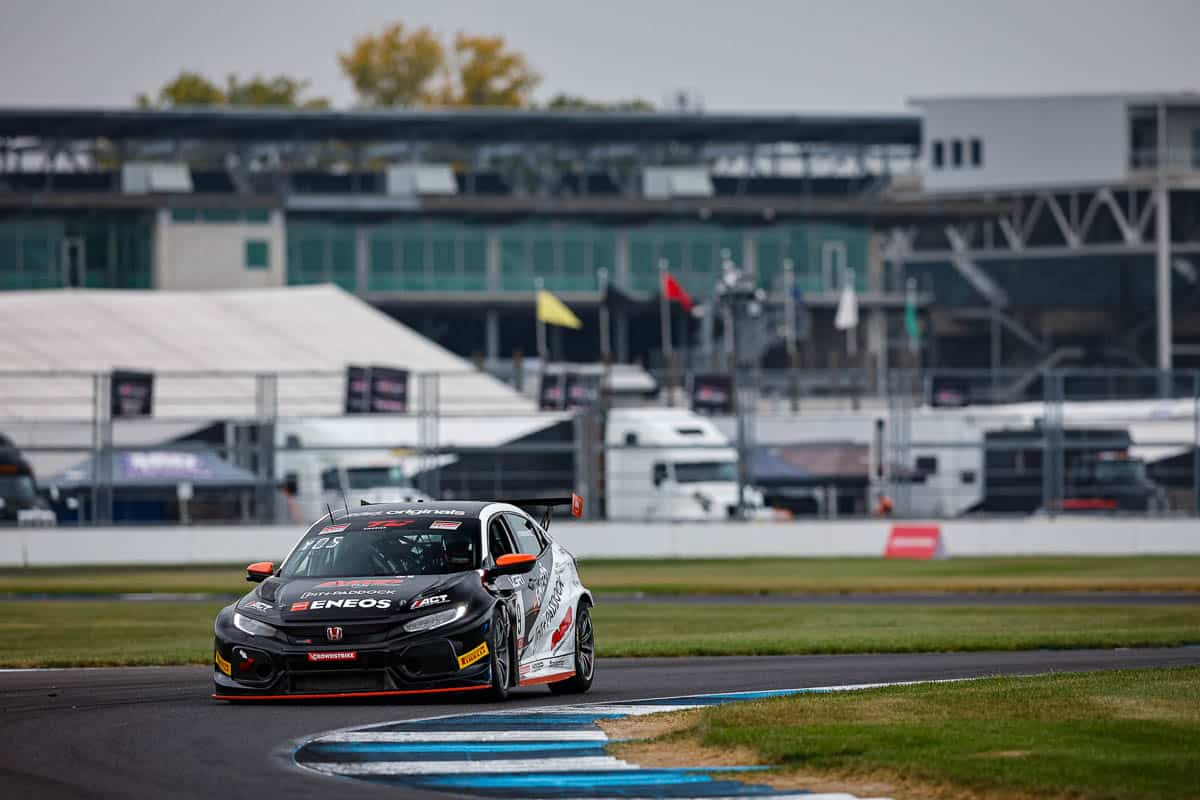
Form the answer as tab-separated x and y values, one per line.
537	583
501	542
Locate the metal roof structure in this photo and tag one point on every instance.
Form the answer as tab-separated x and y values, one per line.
465	125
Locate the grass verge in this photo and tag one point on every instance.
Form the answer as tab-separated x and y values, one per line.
1102	736
713	576
70	633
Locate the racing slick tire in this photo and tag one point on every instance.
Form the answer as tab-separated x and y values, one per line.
500	654
585	655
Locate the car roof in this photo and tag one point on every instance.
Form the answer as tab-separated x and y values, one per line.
470	508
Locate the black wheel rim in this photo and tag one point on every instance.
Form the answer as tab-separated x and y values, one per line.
500	649
586	645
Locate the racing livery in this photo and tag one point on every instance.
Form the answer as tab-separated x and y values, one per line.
405	598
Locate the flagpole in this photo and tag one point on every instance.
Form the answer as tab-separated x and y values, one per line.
664	315
605	334
664	312
789	304
539	285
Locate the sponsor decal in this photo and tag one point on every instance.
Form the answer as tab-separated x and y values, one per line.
525	668
561	631
388	523
258	605
350	602
426	602
410	512
360	584
334	633
349	593
915	541
467	659
222	663
444	525
339	655
335	528
551	610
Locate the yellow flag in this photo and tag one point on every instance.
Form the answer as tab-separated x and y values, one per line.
553	311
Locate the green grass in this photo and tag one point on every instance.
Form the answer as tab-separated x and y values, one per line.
714	576
71	633
1102	736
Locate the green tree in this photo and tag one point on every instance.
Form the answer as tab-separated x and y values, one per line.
483	72
395	68
186	89
278	91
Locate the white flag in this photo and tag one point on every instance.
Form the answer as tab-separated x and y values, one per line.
847	309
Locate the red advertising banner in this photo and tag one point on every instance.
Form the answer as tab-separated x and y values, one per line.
915	541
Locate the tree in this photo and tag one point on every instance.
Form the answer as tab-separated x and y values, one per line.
484	73
186	89
395	68
193	89
568	102
278	91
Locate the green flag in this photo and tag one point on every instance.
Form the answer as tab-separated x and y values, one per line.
911	325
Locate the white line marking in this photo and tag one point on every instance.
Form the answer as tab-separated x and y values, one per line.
466	736
622	709
511	766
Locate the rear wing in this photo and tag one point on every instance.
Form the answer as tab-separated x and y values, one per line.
548	504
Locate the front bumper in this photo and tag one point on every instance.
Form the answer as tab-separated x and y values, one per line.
267	668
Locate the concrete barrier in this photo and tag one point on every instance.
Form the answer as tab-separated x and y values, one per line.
863	538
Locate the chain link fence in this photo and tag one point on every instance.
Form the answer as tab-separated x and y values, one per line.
277	447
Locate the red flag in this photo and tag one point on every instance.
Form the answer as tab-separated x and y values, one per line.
675	292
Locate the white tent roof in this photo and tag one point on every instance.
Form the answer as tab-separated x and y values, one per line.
186	337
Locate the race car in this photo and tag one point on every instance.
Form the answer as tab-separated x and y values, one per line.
410	598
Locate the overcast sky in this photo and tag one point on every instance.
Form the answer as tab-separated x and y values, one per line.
769	55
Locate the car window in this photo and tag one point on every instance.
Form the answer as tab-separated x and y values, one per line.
329	480
527	537
499	542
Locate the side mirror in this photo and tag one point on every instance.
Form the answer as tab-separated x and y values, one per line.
260	571
511	564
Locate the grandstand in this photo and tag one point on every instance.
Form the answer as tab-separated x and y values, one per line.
444	218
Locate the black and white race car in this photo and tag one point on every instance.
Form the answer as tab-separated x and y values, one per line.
395	599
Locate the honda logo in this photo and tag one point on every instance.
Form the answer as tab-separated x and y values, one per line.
333	634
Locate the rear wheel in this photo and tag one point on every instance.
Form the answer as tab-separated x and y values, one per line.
500	653
585	654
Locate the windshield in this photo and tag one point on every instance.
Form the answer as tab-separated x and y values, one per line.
16	487
386	546
1120	471
377	478
706	472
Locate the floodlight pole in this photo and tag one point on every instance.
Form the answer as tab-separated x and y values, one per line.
539	284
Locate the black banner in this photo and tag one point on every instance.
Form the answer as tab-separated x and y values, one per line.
132	393
551	392
568	390
376	390
712	393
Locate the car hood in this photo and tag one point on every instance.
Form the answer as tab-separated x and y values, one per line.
351	599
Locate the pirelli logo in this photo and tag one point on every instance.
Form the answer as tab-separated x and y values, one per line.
467	659
222	663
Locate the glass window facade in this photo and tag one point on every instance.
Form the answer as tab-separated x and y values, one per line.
692	252
321	252
816	250
258	254
112	251
426	257
565	256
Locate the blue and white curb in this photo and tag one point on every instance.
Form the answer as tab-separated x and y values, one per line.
554	752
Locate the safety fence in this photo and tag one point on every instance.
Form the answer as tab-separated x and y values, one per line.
241	448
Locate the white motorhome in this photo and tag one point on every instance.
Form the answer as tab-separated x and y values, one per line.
668	464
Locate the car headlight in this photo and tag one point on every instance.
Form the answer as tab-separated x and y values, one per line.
430	621
252	626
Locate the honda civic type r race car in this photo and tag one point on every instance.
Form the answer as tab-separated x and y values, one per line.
397	599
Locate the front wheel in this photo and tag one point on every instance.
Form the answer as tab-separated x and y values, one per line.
585	655
500	654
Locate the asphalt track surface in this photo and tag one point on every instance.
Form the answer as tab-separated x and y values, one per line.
154	731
